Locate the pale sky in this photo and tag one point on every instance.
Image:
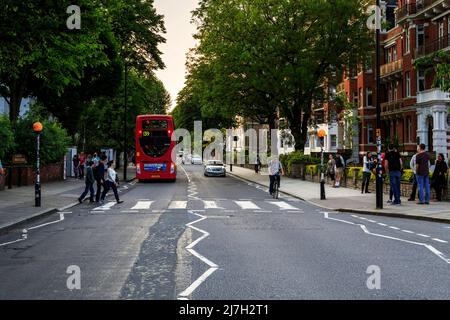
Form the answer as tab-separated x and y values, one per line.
179	36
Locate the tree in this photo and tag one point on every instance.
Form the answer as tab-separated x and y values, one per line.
6	137
274	55
439	63
48	52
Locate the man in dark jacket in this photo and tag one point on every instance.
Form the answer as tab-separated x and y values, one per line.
89	183
99	175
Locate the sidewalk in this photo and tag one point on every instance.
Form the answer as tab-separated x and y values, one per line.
17	204
349	200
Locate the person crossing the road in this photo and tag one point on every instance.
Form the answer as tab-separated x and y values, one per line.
111	182
276	170
89	183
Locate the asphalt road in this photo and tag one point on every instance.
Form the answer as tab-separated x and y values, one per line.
223	238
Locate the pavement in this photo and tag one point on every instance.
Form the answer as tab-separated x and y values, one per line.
349	200
17	205
222	238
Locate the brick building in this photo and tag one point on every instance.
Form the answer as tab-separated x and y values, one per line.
412	110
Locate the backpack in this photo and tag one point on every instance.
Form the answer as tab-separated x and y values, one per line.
339	163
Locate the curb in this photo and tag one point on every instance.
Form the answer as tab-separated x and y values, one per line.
358	211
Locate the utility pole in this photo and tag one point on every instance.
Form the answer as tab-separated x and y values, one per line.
37	128
379	169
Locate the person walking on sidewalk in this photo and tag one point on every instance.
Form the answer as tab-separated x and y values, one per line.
438	177
367	172
330	168
339	169
422	172
393	163
257	164
89	183
81	165
76	163
111	182
412	165
99	175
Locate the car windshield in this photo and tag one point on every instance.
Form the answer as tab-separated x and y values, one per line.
214	163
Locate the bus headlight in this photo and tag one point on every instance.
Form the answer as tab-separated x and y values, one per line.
138	168
172	168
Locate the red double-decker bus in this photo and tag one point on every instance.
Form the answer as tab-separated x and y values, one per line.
154	148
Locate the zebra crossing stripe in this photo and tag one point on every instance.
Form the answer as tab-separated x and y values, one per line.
106	206
142	205
178	205
211	205
247	205
284	205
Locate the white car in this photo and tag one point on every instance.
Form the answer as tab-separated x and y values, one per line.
196	160
215	168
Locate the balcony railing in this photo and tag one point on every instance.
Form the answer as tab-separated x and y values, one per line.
391	107
432	95
391	68
340	87
416	7
436	45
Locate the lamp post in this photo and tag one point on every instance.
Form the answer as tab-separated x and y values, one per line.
37	128
321	134
379	169
125	162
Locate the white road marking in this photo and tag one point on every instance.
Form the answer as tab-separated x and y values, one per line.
211	205
283	205
247	205
61	218
364	228
382	224
212	266
423	235
439	240
185	172
129	211
178	205
354	216
372	221
395	228
142	205
407	231
106	206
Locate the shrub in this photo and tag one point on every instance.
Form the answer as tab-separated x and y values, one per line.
311	169
352	171
6	138
297	157
408	175
54	141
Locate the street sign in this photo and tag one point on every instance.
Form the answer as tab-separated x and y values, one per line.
19	159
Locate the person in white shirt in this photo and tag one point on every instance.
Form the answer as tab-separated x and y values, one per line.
367	172
275	169
111	182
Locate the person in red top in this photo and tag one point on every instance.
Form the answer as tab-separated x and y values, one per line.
82	159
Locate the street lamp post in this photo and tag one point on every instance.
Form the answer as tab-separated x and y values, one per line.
321	134
125	162
379	170
37	128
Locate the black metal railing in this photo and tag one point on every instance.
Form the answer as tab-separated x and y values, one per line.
433	46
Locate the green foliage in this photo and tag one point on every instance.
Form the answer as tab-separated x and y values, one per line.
439	63
297	157
408	175
312	169
257	56
6	139
54	140
352	171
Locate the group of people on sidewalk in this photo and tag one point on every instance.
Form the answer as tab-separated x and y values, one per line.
392	166
335	169
105	178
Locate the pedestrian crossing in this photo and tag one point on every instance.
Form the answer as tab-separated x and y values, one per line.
163	205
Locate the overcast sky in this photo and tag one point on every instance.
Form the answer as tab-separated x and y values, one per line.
177	17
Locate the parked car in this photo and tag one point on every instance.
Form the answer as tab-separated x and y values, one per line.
196	160
215	168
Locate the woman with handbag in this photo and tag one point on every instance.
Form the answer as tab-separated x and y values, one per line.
438	178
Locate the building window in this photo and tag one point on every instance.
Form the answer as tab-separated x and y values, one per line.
420	36
395	54
441	34
409	129
395	86
420	80
408	84
355	98
407	40
333	139
369	97
370	139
